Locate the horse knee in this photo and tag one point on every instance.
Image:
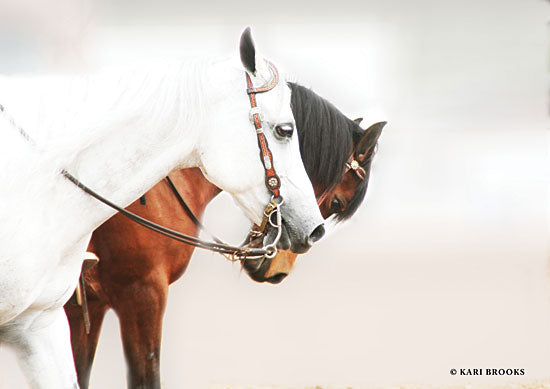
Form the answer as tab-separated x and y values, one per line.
41	341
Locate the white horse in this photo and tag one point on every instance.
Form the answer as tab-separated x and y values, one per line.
120	134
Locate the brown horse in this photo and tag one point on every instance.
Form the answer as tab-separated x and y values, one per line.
137	265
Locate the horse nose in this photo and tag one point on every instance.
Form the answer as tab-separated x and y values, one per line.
317	234
277	278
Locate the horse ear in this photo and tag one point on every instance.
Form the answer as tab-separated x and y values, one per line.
358	121
365	147
248	51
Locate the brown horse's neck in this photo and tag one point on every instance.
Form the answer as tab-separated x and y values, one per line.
195	189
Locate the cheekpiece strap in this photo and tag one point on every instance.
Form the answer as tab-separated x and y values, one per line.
272	181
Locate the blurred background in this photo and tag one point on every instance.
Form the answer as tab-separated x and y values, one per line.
446	265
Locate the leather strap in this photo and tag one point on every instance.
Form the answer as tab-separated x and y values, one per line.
354	165
272	180
189	212
235	252
351	164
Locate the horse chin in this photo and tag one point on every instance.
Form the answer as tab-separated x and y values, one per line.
258	269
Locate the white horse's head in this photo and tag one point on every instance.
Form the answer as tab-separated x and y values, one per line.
230	155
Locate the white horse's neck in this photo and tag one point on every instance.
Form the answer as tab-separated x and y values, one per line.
140	140
118	134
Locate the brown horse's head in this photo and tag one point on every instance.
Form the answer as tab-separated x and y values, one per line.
339	198
343	199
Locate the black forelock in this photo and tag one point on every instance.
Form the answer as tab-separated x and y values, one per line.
326	136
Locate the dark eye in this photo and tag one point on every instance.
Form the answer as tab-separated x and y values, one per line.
336	205
284	130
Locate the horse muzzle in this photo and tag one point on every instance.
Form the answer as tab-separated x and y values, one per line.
290	240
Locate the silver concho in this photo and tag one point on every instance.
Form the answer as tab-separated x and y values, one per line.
273	182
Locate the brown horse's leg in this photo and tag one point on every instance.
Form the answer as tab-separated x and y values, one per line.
140	313
84	345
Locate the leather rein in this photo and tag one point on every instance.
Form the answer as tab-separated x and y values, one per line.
272	181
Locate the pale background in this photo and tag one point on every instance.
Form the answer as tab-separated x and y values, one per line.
445	265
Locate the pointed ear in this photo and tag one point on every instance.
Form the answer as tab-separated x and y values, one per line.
366	145
248	51
358	121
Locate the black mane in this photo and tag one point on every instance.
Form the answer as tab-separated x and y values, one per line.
327	138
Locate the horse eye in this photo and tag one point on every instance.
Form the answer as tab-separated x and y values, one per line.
336	205
284	130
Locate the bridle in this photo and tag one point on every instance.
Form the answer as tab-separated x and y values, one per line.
272	182
351	164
